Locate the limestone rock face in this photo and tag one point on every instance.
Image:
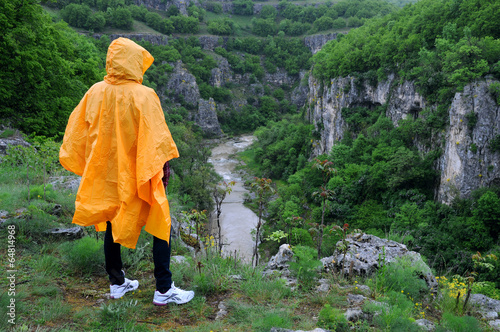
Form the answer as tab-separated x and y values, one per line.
467	162
164	5
279	78
206	117
182	83
12	141
222	74
153	39
316	42
209	42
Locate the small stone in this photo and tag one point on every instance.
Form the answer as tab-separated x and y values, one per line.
71	233
353	299
179	259
353	315
495	324
425	324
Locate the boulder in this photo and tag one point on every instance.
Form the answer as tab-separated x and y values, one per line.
488	308
71	233
367	253
281	259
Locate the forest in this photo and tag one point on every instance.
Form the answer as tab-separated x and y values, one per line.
376	179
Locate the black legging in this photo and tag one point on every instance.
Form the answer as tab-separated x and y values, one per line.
161	259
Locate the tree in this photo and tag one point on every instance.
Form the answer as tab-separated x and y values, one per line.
46	68
221	27
243	7
264	190
325	166
263	27
268	12
219	194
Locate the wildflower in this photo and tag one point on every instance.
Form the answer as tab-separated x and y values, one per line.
402	291
458	142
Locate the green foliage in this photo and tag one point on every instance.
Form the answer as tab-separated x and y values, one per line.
471	120
394	314
494	145
263	27
302	237
84	257
451	322
119	17
282	144
221	27
403	276
43	192
305	266
47	67
332	318
243	7
494	89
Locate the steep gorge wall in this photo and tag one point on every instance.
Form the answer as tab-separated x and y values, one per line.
466	164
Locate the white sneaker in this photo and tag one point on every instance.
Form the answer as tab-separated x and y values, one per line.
117	291
173	295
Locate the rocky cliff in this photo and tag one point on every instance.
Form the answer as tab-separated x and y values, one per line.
467	162
164	5
153	39
316	42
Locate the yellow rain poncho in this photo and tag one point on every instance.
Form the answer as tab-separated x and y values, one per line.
118	141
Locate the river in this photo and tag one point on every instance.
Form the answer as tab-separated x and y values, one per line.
237	221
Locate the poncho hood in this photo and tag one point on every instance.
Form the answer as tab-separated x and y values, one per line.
126	61
118	141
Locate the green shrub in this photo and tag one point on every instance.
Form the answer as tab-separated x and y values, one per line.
300	236
454	323
494	89
84	256
7	133
40	192
332	318
304	266
486	288
394	313
402	276
471	120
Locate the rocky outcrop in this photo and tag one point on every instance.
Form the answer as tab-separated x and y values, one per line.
155	39
466	164
258	7
299	94
206	117
182	85
164	5
488	308
15	140
209	42
316	42
366	253
280	77
222	74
